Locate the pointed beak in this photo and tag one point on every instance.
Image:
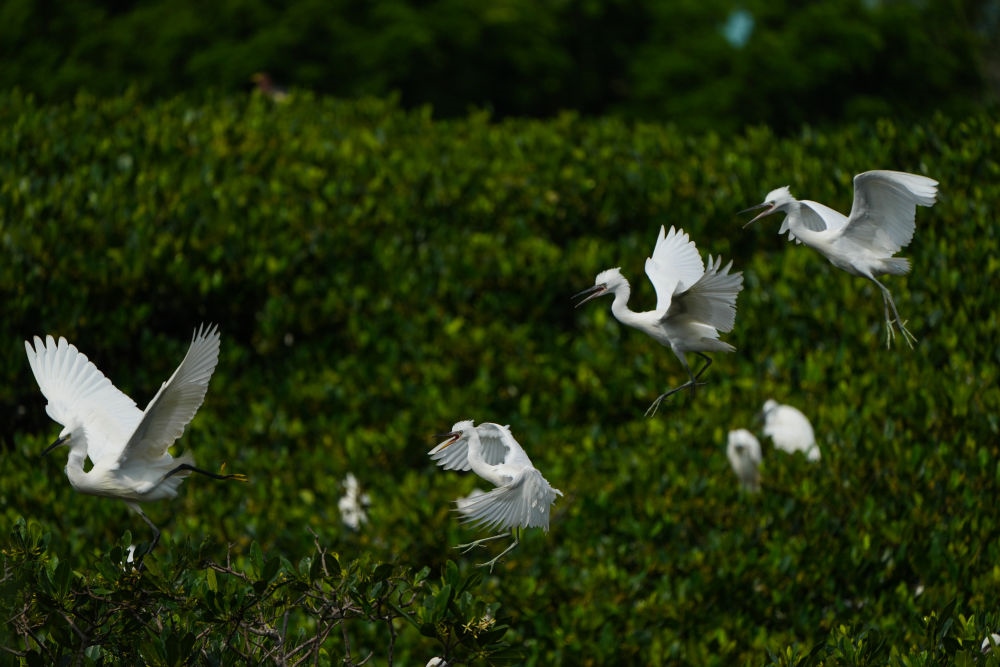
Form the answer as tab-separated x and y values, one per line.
591	293
60	441
768	207
449	439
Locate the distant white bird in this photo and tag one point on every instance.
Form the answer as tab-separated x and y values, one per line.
353	503
693	302
522	497
128	447
743	452
863	244
991	640
789	429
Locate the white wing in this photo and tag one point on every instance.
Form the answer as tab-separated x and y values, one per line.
499	446
885	206
81	398
179	398
524	502
456	456
712	299
816	217
675	266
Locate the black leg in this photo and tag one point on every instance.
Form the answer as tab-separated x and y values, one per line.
190	468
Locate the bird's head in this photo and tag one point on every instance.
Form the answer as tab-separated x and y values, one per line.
459	431
604	283
776	200
62	441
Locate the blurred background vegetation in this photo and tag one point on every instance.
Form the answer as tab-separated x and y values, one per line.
702	64
382	265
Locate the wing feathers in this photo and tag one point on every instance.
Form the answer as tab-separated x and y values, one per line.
884	210
675	266
524	502
711	300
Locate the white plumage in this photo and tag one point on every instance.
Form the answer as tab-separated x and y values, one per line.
882	221
522	497
744	454
694	302
127	446
790	429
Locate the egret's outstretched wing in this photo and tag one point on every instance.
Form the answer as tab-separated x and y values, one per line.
675	266
175	405
712	299
82	398
455	455
524	502
816	217
882	216
499	445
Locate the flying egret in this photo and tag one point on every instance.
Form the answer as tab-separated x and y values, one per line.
789	429
863	244
522	497
743	452
127	447
693	302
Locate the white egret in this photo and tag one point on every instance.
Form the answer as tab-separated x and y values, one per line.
863	244
989	642
353	503
522	497
789	429
693	302
127	447
743	452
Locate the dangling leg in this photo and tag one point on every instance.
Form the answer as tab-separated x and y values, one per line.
156	531
516	534
888	303
190	468
692	382
469	546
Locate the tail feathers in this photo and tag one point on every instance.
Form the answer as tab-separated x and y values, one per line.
896	266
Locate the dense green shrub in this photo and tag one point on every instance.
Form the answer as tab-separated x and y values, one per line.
693	63
378	275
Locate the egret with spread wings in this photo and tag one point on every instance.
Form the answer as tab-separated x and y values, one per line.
127	446
522	497
694	302
863	244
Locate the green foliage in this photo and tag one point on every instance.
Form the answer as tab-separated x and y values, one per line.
816	62
378	275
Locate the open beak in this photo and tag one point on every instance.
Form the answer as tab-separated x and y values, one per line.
768	210
449	439
591	293
60	441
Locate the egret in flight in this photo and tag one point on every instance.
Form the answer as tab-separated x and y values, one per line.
743	452
693	302
522	497
127	447
863	244
789	429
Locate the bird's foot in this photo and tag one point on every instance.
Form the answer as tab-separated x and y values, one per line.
490	563
469	546
890	335
651	411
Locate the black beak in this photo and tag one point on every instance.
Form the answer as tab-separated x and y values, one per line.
449	438
55	444
769	209
590	293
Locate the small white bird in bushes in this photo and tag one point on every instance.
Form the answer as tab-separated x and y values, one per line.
522	497
863	244
694	302
353	503
789	429
743	452
127	446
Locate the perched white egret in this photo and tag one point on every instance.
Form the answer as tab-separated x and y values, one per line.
522	497
127	447
353	503
743	452
863	244
789	429
693	302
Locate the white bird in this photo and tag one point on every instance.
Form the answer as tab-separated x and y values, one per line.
789	429
743	452
127	447
522	497
991	640
693	302
863	244
353	503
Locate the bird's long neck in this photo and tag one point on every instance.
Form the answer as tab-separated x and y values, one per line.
796	224
479	465
74	467
619	307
